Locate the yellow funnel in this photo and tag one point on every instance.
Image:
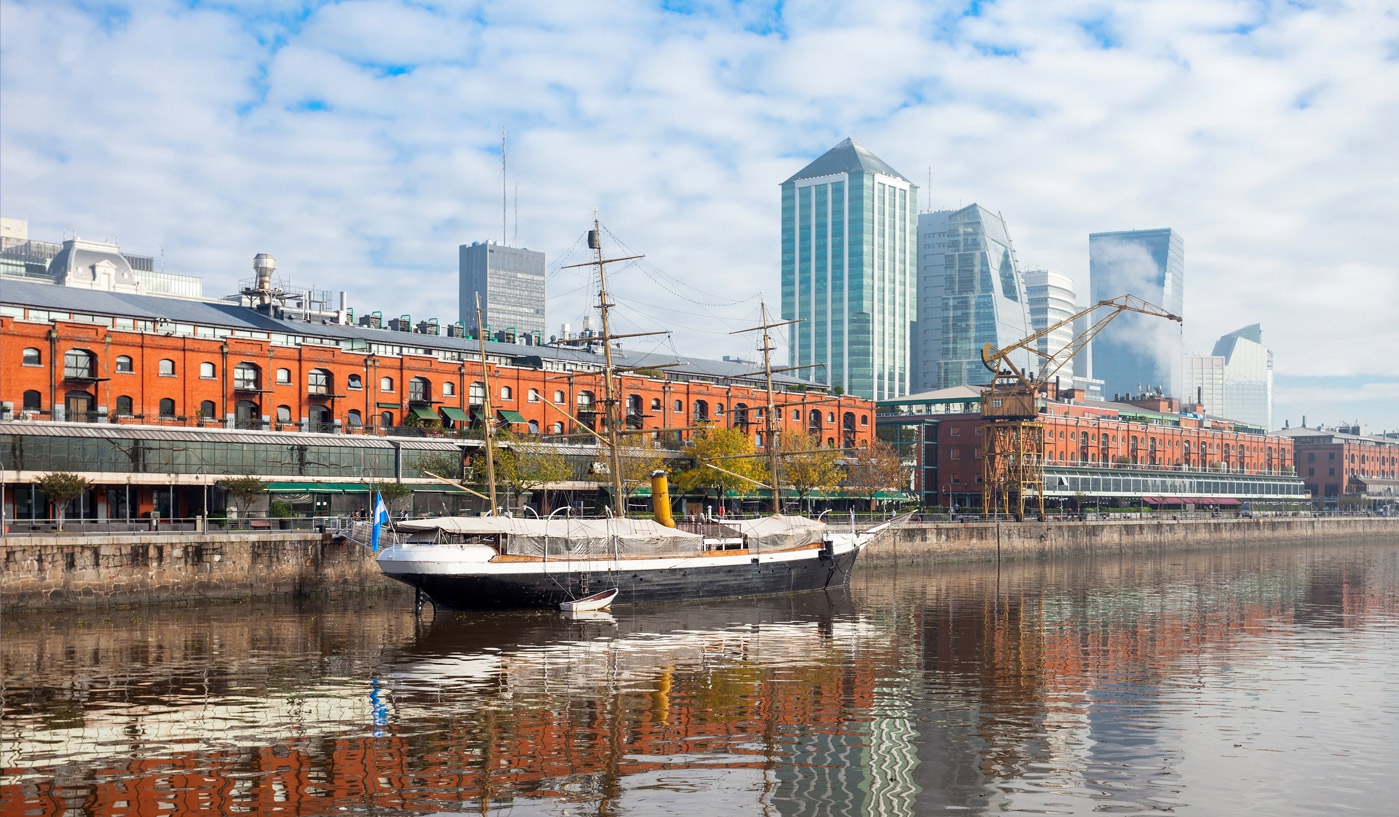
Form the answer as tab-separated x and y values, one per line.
660	498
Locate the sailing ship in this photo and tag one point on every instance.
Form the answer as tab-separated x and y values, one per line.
502	562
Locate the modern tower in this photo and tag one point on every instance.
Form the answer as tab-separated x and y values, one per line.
970	293
1052	299
848	256
1248	376
1138	353
510	282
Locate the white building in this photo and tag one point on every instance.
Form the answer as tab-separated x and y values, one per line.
1052	299
1236	381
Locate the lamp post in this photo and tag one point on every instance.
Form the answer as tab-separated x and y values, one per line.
951	505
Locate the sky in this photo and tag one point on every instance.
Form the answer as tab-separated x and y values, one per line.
360	143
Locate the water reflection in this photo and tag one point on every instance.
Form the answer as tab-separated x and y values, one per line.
1186	683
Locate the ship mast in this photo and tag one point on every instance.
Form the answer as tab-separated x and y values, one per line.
486	420
770	419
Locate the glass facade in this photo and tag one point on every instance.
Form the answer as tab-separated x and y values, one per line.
1248	376
847	272
971	293
1139	353
1052	299
510	282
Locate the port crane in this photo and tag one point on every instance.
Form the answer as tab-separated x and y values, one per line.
1013	437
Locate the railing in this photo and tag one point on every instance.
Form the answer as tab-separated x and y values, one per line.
1163	468
43	526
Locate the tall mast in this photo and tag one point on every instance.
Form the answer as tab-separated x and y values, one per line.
486	406
609	400
770	421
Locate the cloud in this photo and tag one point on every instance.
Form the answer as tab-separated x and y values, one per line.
359	142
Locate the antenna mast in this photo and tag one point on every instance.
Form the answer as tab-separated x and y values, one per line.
486	405
503	195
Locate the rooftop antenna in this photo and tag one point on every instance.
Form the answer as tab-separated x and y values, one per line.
928	199
503	188
515	237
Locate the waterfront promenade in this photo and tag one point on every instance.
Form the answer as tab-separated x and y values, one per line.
57	571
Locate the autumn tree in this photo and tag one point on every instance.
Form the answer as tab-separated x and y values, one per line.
638	462
875	469
804	466
62	487
522	465
723	460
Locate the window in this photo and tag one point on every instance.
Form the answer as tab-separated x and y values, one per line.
449	389
831	417
246	377
354	382
585	401
206	409
318	381
125	408
33	357
386	420
284	377
556	428
284	414
167	368
33	401
356	420
655	404
558	397
386	384
207	371
534	426
864	419
797	415
167	407
477	394
533	396
80	364
506	393
124	365
419	390
718	409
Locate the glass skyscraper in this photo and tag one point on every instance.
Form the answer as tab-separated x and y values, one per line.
1138	353
848	256
1248	376
1052	299
510	282
970	293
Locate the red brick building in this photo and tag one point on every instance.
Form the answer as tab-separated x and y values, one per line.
1347	466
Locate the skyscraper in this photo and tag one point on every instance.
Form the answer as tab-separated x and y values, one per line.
1248	376
1052	299
848	255
510	282
1137	352
970	293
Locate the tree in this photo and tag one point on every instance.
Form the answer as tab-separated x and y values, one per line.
804	466
244	491
638	462
875	469
730	449
392	493
522	466
62	487
440	464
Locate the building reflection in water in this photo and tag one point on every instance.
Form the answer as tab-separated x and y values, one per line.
915	692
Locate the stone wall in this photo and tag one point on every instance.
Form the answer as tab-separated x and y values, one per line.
133	569
987	541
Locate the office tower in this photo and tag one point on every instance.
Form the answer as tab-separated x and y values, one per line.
1248	376
1138	353
1203	383
848	255
1052	299
970	293
510	282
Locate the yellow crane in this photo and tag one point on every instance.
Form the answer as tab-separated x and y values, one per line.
1013	437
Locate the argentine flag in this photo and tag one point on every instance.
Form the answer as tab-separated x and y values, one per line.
381	516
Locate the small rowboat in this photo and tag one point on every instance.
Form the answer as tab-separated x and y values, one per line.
597	601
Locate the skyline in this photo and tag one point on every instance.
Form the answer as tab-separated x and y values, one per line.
359	143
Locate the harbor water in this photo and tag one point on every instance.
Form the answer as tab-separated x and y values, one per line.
1243	681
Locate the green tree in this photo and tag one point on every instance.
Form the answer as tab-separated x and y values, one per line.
875	469
521	465
393	494
244	491
62	487
438	463
730	449
804	466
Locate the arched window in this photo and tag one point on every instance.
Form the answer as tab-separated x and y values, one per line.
167	407
679	406
831	417
33	357
701	410
449	389
284	414
419	390
386	384
320	419
534	426
354	382
506	393
534	395
386	419
558	397
633	404
284	377
33	401
655	404
864	419
556	428
718	409
79	364
246	414
585	401
477	394
206	409
246	377
207	371
356	420
830	442
166	368
125	408
318	381
124	365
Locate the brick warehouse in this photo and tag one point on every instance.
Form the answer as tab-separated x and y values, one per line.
73	358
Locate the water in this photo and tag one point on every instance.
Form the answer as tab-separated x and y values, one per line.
1258	681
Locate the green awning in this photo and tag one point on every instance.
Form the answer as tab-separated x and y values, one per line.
388	405
478	413
454	413
316	488
423	413
511	416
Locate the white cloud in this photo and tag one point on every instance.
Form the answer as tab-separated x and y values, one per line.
1261	132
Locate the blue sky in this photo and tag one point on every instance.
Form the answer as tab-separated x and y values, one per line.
359	142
